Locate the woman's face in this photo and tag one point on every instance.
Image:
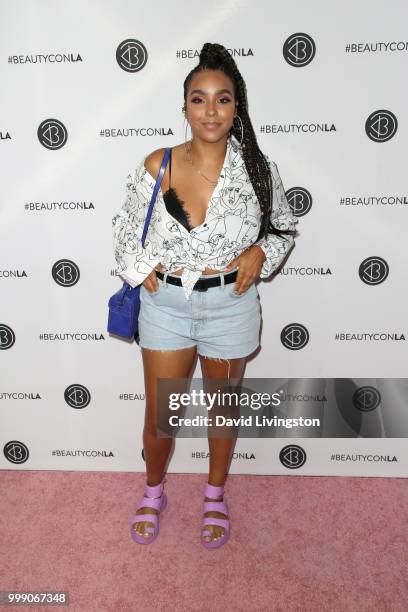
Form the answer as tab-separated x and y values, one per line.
210	105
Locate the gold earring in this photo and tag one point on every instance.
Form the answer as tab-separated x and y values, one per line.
185	129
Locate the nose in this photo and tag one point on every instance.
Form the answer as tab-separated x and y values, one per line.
211	108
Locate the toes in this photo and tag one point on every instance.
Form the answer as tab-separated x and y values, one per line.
215	534
140	529
140	526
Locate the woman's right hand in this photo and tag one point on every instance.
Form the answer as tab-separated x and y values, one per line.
151	283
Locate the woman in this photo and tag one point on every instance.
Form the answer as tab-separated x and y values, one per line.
210	238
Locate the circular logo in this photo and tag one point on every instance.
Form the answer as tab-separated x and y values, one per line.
292	456
52	134
373	270
300	200
65	272
381	125
366	399
77	396
16	452
294	336
299	49
131	55
7	337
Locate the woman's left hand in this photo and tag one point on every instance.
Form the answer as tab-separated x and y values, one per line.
250	265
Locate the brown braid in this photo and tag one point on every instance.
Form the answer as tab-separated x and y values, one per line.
216	57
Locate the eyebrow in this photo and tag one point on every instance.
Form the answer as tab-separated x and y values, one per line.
203	92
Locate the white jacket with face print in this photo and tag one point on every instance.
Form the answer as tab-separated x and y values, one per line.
231	225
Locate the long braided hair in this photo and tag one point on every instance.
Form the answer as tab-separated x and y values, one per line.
216	57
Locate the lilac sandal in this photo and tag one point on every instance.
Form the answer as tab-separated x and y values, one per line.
156	498
219	506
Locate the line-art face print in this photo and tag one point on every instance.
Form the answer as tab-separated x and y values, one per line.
231	225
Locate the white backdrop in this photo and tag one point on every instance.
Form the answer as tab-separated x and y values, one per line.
327	96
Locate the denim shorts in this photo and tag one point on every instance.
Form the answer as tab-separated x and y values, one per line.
217	321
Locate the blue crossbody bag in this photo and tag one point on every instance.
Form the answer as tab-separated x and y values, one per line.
124	305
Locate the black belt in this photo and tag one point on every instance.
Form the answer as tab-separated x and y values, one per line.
202	284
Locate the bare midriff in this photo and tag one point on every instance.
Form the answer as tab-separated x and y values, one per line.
179	272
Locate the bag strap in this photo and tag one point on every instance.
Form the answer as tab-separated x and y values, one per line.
155	192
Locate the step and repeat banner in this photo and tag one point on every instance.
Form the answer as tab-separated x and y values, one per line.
88	89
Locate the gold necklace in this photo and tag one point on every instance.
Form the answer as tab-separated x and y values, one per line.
197	169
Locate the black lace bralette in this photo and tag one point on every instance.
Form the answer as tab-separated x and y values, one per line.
175	206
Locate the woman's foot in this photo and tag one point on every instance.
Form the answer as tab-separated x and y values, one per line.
215	529
140	527
151	504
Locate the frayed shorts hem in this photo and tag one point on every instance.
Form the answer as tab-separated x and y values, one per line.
166	348
236	355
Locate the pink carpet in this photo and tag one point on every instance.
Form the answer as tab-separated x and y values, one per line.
312	543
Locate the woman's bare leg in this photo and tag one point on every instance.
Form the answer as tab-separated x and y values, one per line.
159	364
220	448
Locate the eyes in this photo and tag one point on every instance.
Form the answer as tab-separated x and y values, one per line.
197	99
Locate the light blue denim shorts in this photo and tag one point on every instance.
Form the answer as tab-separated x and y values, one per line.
217	321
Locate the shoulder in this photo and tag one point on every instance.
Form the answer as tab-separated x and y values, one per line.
153	160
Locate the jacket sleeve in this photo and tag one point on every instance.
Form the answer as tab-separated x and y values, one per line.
276	247
134	261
